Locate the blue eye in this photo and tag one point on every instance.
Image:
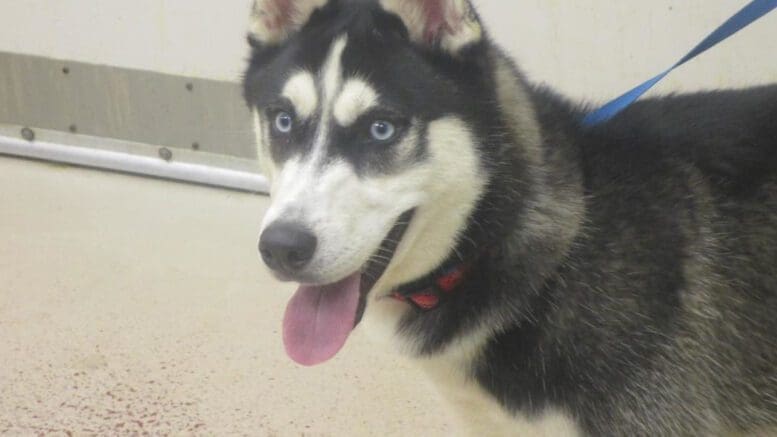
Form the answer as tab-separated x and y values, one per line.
382	130
284	122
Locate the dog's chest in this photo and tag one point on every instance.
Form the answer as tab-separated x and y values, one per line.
477	412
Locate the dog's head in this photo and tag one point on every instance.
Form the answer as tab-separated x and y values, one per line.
367	115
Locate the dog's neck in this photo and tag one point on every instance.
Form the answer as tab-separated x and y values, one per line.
537	189
431	291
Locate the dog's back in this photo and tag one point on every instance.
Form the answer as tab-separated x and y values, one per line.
723	146
662	320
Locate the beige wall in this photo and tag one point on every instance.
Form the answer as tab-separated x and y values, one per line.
587	48
601	48
203	38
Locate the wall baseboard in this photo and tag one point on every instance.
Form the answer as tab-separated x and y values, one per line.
140	159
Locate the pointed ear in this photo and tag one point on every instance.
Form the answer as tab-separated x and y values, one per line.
449	25
272	21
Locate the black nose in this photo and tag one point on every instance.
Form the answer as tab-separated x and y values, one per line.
287	247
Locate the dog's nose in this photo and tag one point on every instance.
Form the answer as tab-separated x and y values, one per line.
287	247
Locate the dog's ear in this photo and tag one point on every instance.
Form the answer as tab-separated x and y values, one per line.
272	21
449	25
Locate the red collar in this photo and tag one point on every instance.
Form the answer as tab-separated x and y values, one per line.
427	294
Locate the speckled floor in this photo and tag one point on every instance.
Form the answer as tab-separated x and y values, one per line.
131	305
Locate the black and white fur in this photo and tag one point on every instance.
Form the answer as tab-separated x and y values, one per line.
630	282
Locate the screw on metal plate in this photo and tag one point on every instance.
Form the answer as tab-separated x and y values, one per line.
190	86
28	134
195	146
165	154
73	128
65	70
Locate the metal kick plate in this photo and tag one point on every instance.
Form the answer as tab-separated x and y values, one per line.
130	105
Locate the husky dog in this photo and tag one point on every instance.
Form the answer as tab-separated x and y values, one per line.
552	279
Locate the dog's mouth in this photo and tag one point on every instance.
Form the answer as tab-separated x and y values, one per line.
319	319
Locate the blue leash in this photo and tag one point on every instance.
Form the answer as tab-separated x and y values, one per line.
750	13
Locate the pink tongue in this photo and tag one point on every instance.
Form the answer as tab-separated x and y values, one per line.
319	319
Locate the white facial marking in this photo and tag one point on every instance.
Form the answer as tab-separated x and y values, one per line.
332	76
332	72
407	148
301	92
356	98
